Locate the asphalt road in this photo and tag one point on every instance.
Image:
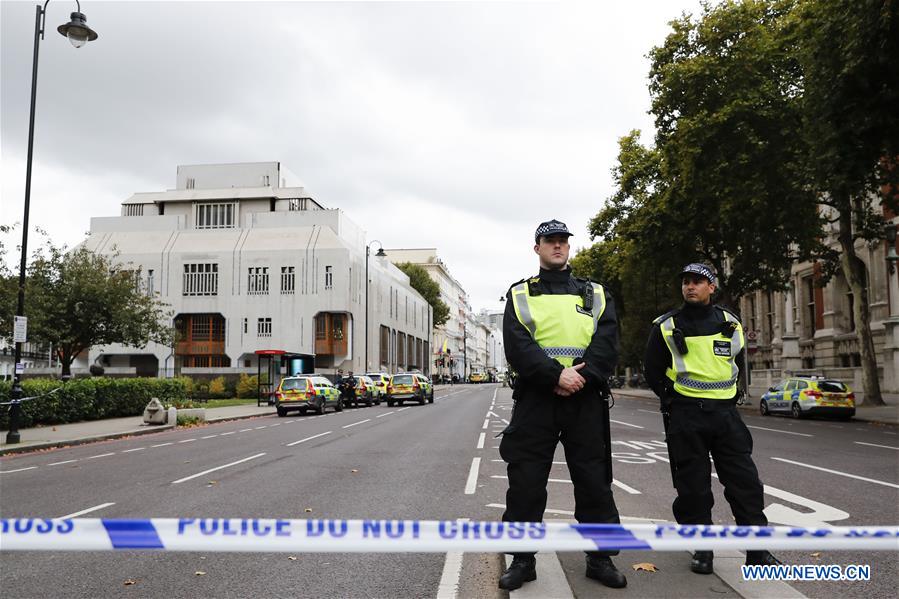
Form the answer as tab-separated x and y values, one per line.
414	463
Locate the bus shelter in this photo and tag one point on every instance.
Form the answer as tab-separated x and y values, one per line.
275	364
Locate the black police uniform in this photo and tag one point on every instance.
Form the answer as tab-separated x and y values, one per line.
700	427
540	418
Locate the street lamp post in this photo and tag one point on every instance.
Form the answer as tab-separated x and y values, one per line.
78	33
381	253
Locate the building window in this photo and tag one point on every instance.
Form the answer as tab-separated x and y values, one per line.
151	285
321	328
808	283
297	204
215	215
264	327
191	182
201	279
257	280
329	278
245	326
769	317
288	280
132	209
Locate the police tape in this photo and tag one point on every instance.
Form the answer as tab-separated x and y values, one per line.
422	536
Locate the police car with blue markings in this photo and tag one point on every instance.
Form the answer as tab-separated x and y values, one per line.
801	396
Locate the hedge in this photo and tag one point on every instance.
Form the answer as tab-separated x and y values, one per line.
88	399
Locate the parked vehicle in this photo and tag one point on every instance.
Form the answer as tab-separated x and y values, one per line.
409	386
380	379
306	392
365	392
477	377
805	396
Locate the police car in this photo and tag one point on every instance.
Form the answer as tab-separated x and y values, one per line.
809	395
409	386
304	393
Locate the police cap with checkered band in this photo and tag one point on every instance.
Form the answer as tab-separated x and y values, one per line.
551	227
702	270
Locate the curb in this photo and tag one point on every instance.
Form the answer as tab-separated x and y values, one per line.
105	437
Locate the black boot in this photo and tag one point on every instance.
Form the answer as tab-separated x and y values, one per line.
761	558
522	569
702	562
601	568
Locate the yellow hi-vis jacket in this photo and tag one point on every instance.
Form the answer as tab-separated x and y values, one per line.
560	324
709	369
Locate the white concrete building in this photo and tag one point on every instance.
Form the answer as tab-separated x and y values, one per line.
452	334
249	261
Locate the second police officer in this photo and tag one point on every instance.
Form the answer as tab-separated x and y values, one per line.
693	363
561	337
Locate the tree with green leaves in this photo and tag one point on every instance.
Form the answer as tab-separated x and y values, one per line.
78	299
429	289
734	192
848	51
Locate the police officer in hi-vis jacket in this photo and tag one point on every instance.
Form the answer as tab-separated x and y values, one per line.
693	363
561	337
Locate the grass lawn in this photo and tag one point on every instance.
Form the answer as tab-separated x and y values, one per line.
224	403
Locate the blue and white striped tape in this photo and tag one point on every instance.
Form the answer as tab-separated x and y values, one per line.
392	536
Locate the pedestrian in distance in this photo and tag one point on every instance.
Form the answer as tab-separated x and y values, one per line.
561	336
693	363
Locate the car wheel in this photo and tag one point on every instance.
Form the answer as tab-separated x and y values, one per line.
282	412
763	408
339	406
302	411
421	400
389	404
845	417
431	398
400	402
320	408
796	411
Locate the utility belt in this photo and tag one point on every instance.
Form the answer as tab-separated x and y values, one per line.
707	405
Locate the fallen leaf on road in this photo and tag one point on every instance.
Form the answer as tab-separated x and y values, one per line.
354	470
187	461
200	573
130	582
648	567
292	558
212	482
308	510
816	554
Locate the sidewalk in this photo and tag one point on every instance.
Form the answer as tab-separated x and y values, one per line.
888	414
58	435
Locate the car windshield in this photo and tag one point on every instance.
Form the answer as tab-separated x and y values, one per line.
402	379
832	387
288	384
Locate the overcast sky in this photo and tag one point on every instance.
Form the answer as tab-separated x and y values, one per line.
455	125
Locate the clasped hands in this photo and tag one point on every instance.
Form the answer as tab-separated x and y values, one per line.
570	381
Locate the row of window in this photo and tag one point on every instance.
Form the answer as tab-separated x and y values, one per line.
202	279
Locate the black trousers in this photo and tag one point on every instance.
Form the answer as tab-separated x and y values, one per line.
537	425
694	432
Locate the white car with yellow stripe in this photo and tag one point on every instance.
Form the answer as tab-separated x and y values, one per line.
805	396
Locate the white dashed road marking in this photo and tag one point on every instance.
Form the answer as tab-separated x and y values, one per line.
70	461
355	423
626	423
472	482
18	470
87	511
102	455
481	438
162	445
846	474
385	414
308	439
192	476
135	449
876	445
775	430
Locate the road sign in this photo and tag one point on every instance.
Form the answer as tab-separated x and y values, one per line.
20	329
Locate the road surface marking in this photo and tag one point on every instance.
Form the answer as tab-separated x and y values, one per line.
187	441
308	439
87	511
486	423
481	438
230	433
192	476
406	408
472	481
649	411
624	487
355	423
135	449
626	423
162	445
876	445
276	424
777	430
102	455
550	583
846	474
243	430
289	422
70	461
452	570
18	470
209	436
259	427
382	415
